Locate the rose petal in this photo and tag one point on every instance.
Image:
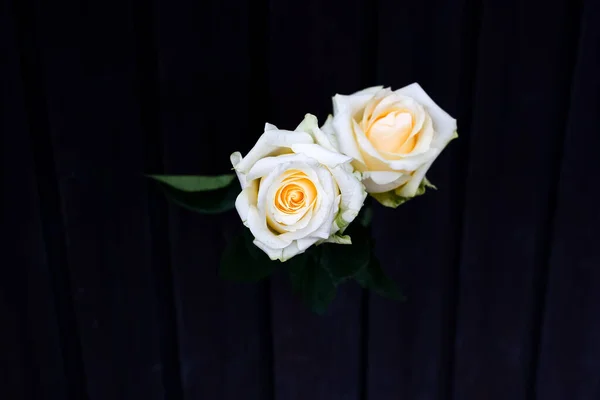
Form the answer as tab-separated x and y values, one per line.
353	196
307	124
274	254
342	125
304	219
269	142
235	159
356	101
369	90
310	125
273	179
258	223
265	166
421	116
350	104
269	185
425	138
394	100
258	226
321	154
367	119
325	198
288	221
248	197
383	181
280	222
327	129
382	177
443	124
411	187
375	161
330	227
326	228
305	243
291	251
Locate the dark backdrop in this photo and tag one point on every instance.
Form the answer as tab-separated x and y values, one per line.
109	293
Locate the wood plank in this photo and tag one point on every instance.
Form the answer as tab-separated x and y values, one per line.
410	343
32	358
312	56
208	87
17	370
88	74
520	110
570	353
27	281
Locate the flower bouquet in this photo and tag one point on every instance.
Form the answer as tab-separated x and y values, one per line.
301	194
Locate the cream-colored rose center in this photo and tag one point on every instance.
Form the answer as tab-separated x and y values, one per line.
295	193
391	132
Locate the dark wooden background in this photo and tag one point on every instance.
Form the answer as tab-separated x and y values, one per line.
108	293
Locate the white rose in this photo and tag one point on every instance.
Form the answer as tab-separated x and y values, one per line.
393	136
297	190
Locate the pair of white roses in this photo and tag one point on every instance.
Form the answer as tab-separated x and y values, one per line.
304	187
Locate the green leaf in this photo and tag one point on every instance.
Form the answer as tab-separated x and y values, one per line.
343	262
365	215
296	266
204	202
313	283
244	262
393	200
195	183
373	278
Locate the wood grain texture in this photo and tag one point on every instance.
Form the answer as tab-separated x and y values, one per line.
108	292
207	87
570	352
316	49
521	106
37	362
410	343
87	73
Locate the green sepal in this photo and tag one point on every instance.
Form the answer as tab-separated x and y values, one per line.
242	261
338	239
393	200
202	194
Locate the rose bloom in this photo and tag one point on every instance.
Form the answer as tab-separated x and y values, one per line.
297	190
393	137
